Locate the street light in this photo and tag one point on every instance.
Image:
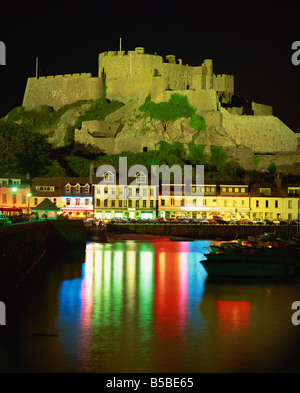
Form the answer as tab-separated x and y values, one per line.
14	190
28	196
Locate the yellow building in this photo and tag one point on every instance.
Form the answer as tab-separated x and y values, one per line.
291	203
266	202
233	201
132	199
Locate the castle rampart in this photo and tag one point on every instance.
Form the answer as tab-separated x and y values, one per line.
59	90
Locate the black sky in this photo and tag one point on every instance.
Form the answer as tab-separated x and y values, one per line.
250	40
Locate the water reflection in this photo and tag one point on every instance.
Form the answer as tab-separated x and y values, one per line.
148	306
133	297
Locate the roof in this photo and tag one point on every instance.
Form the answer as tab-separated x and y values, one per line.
276	192
46	204
59	184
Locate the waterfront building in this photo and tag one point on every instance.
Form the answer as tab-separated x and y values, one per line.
124	198
291	203
15	191
233	201
72	195
227	201
266	201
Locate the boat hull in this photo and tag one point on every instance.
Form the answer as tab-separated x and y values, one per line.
248	269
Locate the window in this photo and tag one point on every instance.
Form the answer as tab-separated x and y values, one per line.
225	203
151	203
236	189
267	204
276	204
223	189
54	201
289	216
86	201
108	177
23	199
137	191
14	198
87	189
105	190
68	189
113	203
243	189
257	203
162	203
77	189
98	190
97	202
172	201
137	203
230	189
4	200
105	203
141	178
130	203
290	203
182	202
144	191
144	203
35	201
77	201
129	191
68	201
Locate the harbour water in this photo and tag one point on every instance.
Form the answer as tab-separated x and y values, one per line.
148	307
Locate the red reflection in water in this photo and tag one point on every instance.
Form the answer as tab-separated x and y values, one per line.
233	321
233	315
170	296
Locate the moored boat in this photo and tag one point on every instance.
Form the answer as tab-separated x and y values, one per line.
251	259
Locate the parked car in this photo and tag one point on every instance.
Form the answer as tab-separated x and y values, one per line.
4	220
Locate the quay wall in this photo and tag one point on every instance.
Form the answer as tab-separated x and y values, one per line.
23	246
207	232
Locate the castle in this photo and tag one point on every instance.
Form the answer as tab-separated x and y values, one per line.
131	77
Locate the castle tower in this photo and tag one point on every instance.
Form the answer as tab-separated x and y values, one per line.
209	73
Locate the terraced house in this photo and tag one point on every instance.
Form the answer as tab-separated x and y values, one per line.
119	198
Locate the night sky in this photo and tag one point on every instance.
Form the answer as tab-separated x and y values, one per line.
249	40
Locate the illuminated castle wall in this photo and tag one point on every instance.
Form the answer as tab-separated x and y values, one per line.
136	75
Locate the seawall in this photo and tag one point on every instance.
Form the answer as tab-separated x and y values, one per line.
23	246
207	232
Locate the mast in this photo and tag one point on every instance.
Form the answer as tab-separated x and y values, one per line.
120	44
36	67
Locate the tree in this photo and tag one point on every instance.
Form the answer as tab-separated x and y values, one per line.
233	170
22	150
218	157
197	154
177	107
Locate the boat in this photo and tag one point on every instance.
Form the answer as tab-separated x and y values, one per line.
181	239
262	258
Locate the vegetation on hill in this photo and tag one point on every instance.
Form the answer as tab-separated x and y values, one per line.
177	107
25	148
